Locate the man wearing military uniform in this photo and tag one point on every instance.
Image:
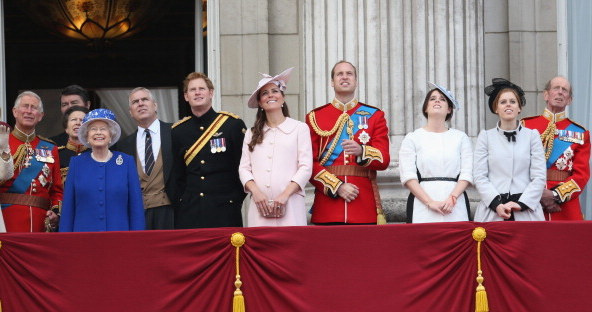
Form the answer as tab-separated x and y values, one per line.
350	143
32	198
567	150
207	148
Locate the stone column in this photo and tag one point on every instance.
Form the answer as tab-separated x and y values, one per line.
398	46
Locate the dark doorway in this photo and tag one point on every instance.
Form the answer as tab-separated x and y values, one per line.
159	56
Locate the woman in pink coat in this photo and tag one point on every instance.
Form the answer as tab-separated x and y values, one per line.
276	162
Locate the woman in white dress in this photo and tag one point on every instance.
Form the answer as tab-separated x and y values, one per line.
276	161
6	162
436	164
509	165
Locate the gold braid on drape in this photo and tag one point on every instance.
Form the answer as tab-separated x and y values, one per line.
481	304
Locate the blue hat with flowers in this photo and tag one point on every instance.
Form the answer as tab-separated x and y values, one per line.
447	94
101	114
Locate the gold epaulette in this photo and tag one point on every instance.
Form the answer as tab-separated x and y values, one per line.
181	121
46	140
61	147
235	116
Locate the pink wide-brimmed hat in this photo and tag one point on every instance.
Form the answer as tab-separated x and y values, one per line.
280	80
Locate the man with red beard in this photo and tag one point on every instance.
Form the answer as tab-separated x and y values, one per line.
32	198
349	144
567	150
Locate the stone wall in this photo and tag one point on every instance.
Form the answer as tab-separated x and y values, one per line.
398	46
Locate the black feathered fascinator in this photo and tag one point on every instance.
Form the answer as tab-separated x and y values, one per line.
499	84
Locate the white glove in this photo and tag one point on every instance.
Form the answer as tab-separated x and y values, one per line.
4	131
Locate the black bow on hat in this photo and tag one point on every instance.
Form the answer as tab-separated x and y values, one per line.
499	84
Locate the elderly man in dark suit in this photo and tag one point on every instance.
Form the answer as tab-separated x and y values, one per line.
151	147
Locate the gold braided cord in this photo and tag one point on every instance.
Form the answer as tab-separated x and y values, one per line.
349	129
481	303
547	137
337	127
20	155
238	301
329	152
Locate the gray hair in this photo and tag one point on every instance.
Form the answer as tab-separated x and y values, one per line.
140	89
17	102
112	130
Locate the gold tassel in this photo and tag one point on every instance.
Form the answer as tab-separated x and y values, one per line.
481	303
380	218
238	301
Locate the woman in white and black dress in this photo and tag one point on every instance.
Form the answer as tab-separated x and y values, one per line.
509	165
436	164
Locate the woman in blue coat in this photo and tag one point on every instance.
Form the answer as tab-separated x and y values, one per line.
103	190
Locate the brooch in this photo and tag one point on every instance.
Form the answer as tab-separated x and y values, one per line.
119	160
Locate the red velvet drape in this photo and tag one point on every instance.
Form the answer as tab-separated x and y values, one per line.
528	266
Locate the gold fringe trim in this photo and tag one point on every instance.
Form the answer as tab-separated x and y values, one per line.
481	304
238	301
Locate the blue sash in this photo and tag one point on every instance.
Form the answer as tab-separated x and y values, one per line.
559	146
23	181
344	136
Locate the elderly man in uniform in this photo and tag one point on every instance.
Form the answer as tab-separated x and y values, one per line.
567	149
349	144
31	199
207	148
151	147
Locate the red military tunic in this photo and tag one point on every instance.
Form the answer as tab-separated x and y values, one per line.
331	167
39	162
567	147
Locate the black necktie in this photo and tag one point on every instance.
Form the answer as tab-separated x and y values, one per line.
148	155
510	135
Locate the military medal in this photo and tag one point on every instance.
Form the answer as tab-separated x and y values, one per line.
223	147
570	136
45	170
40	155
213	146
218	145
119	160
362	122
364	137
30	153
42	180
